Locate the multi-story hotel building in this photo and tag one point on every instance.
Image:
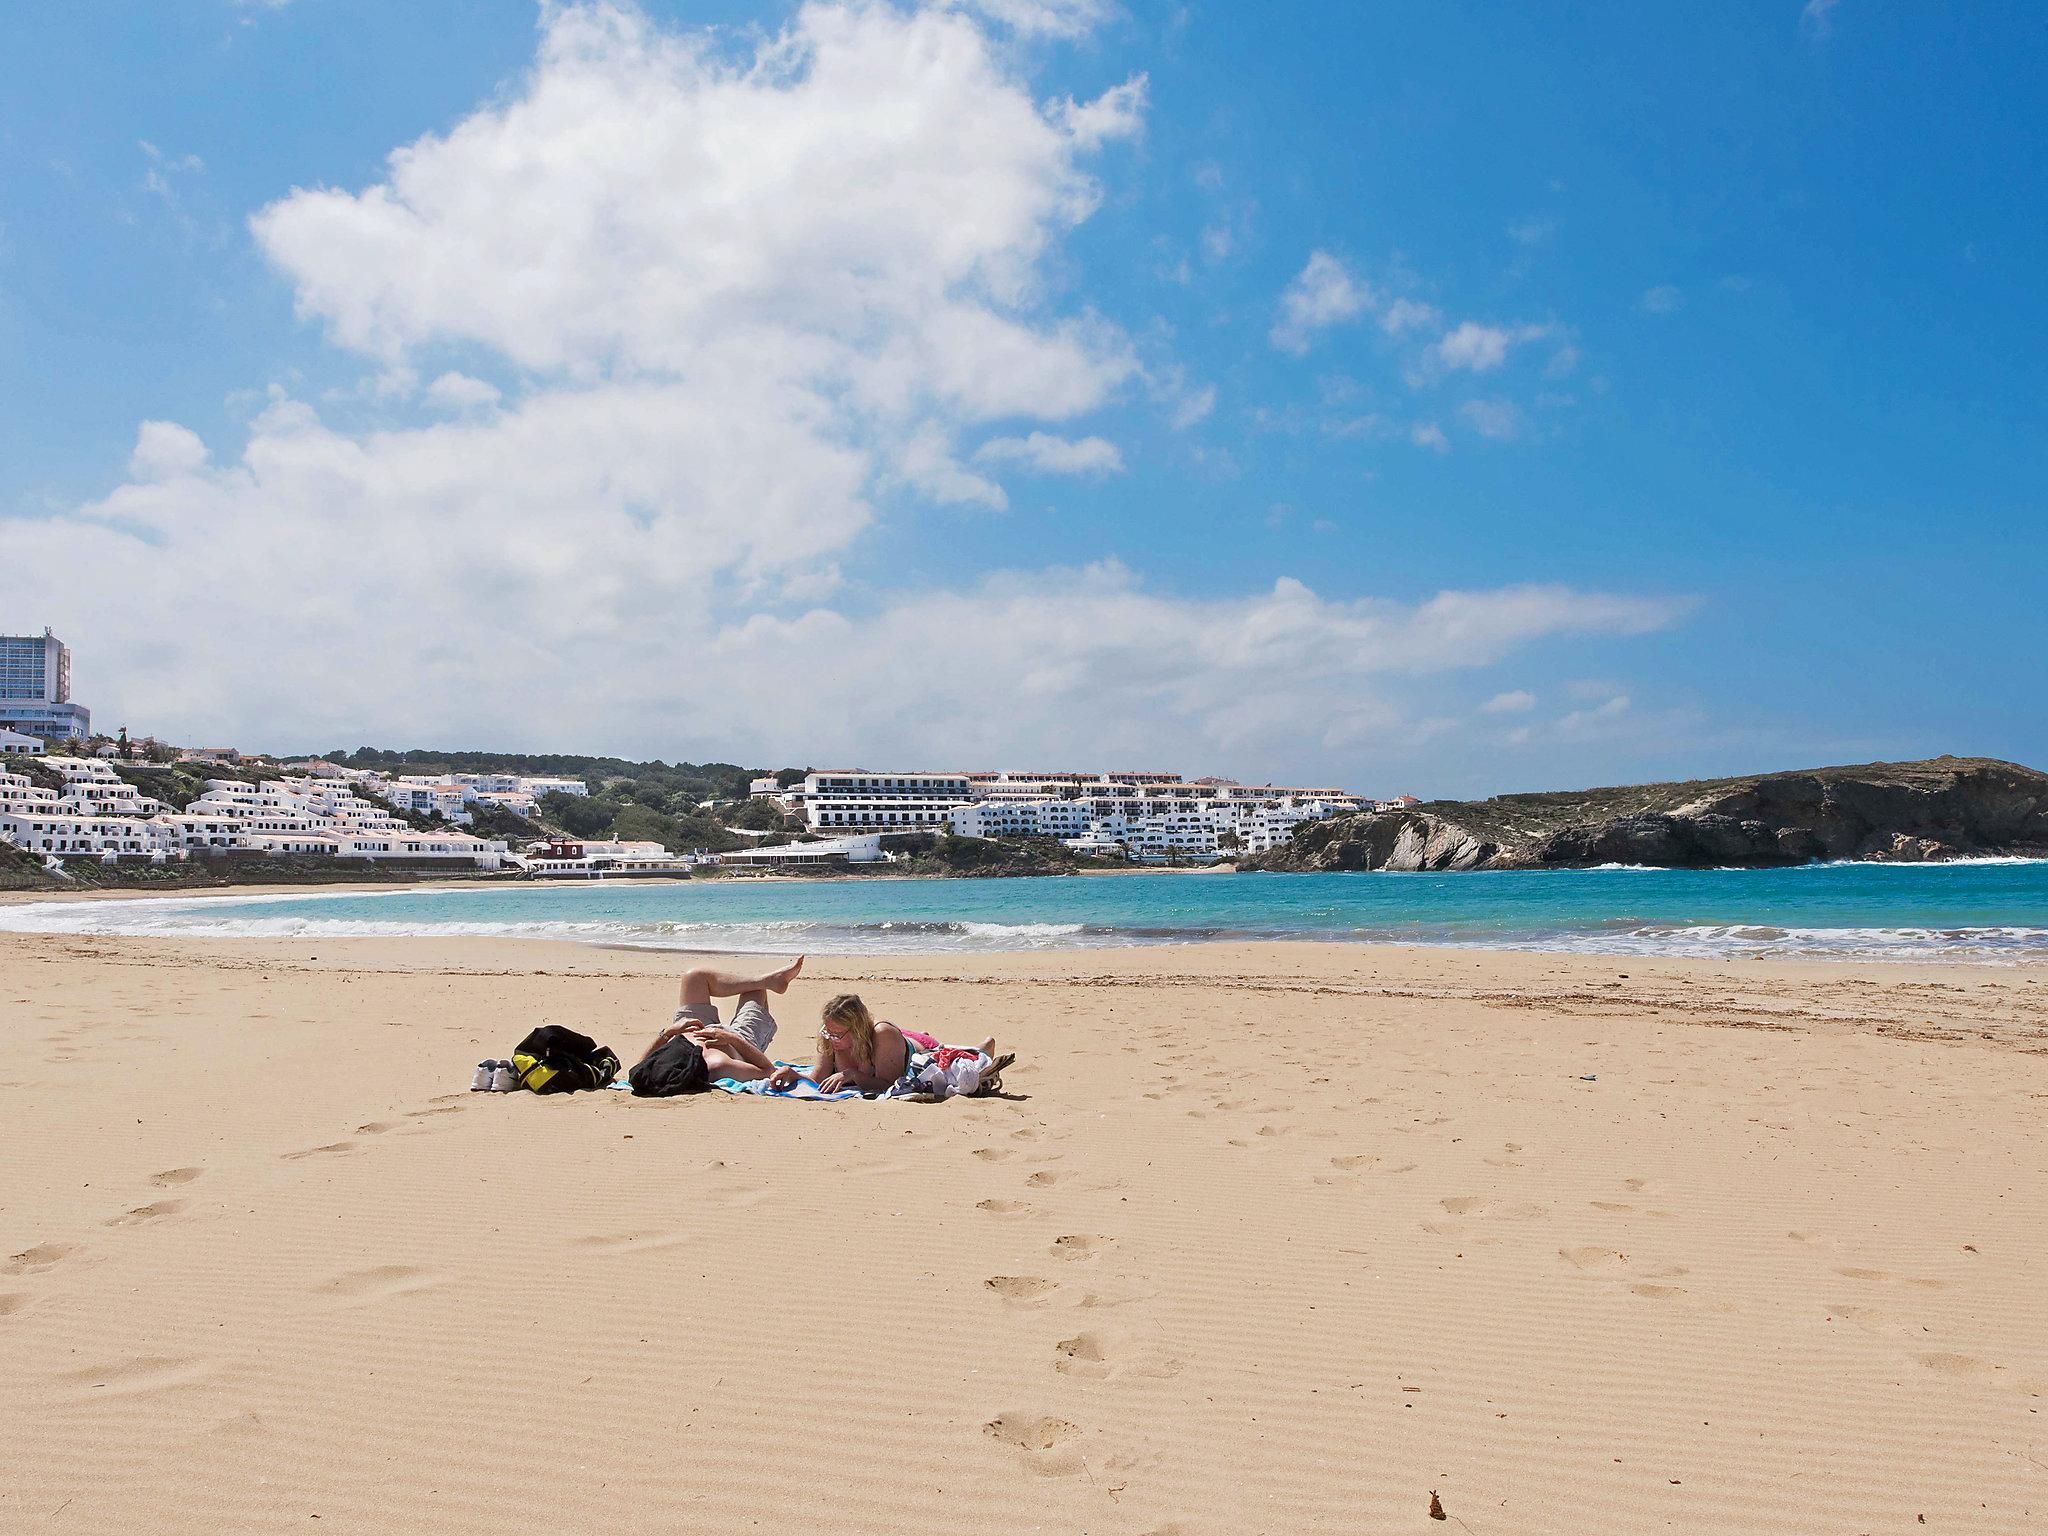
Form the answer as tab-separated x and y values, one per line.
35	689
844	799
1152	815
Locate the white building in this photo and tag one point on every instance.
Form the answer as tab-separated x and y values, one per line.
854	799
577	857
98	813
832	850
1020	818
20	744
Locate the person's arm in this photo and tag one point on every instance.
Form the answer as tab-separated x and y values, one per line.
663	1039
736	1044
892	1054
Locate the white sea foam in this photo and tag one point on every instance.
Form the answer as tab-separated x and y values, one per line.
1745	940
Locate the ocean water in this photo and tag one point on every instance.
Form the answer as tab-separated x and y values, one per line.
1980	910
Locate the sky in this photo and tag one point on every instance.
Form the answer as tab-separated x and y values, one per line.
1417	397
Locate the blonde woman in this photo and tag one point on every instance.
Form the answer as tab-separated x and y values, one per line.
856	1050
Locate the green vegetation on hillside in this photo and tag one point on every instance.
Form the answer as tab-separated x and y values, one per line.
682	806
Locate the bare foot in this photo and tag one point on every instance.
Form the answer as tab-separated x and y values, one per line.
988	1047
780	981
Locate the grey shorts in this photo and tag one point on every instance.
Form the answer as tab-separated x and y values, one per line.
749	1019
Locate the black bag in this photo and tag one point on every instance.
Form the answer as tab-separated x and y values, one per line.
557	1060
676	1067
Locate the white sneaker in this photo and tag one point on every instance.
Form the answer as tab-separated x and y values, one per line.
481	1083
504	1080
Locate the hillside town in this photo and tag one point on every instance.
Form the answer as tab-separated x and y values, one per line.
67	795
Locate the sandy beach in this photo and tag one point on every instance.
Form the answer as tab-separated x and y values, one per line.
1267	1238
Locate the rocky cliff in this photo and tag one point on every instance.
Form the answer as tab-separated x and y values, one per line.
1943	808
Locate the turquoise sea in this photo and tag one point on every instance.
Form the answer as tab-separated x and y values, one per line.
1993	909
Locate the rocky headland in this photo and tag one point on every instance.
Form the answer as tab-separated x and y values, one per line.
1942	808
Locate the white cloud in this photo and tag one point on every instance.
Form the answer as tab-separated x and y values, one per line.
1192	407
750	306
926	463
860	209
460	392
1532	231
1043	18
1481	348
1118	113
160	173
1498	419
1816	18
1663	300
1051	455
1323	294
1427	434
1093	667
165	451
1519	701
1404	315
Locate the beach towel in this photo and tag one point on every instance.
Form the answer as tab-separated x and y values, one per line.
803	1088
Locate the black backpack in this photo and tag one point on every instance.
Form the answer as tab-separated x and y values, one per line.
677	1066
557	1060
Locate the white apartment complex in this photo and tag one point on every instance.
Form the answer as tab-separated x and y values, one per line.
1151	815
98	814
450	796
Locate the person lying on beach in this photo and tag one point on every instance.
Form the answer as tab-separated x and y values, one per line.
737	1050
855	1050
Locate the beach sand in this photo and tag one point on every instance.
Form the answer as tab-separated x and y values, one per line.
1269	1238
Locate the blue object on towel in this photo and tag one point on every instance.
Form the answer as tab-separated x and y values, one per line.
804	1088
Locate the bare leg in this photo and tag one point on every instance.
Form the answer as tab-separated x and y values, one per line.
988	1047
703	983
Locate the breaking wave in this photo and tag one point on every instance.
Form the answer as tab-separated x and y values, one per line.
1994	911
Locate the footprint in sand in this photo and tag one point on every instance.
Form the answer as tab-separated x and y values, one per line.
171	1177
628	1242
1864	1274
1021	1290
1593	1259
332	1146
1659	1292
1480	1205
1098	1358
1045	1443
1086	1354
381	1282
1611	1205
1078	1245
35	1260
994	1154
143	1213
1005	1207
11	1302
144	1374
374	1128
1953	1365
1047	1176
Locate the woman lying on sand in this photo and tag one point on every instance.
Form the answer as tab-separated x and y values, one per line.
855	1050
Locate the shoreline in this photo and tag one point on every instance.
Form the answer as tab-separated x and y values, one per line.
396	886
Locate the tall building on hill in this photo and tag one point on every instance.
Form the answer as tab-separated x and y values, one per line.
35	689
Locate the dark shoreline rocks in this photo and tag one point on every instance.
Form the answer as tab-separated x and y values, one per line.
1918	812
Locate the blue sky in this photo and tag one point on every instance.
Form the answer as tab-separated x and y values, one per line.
1450	398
